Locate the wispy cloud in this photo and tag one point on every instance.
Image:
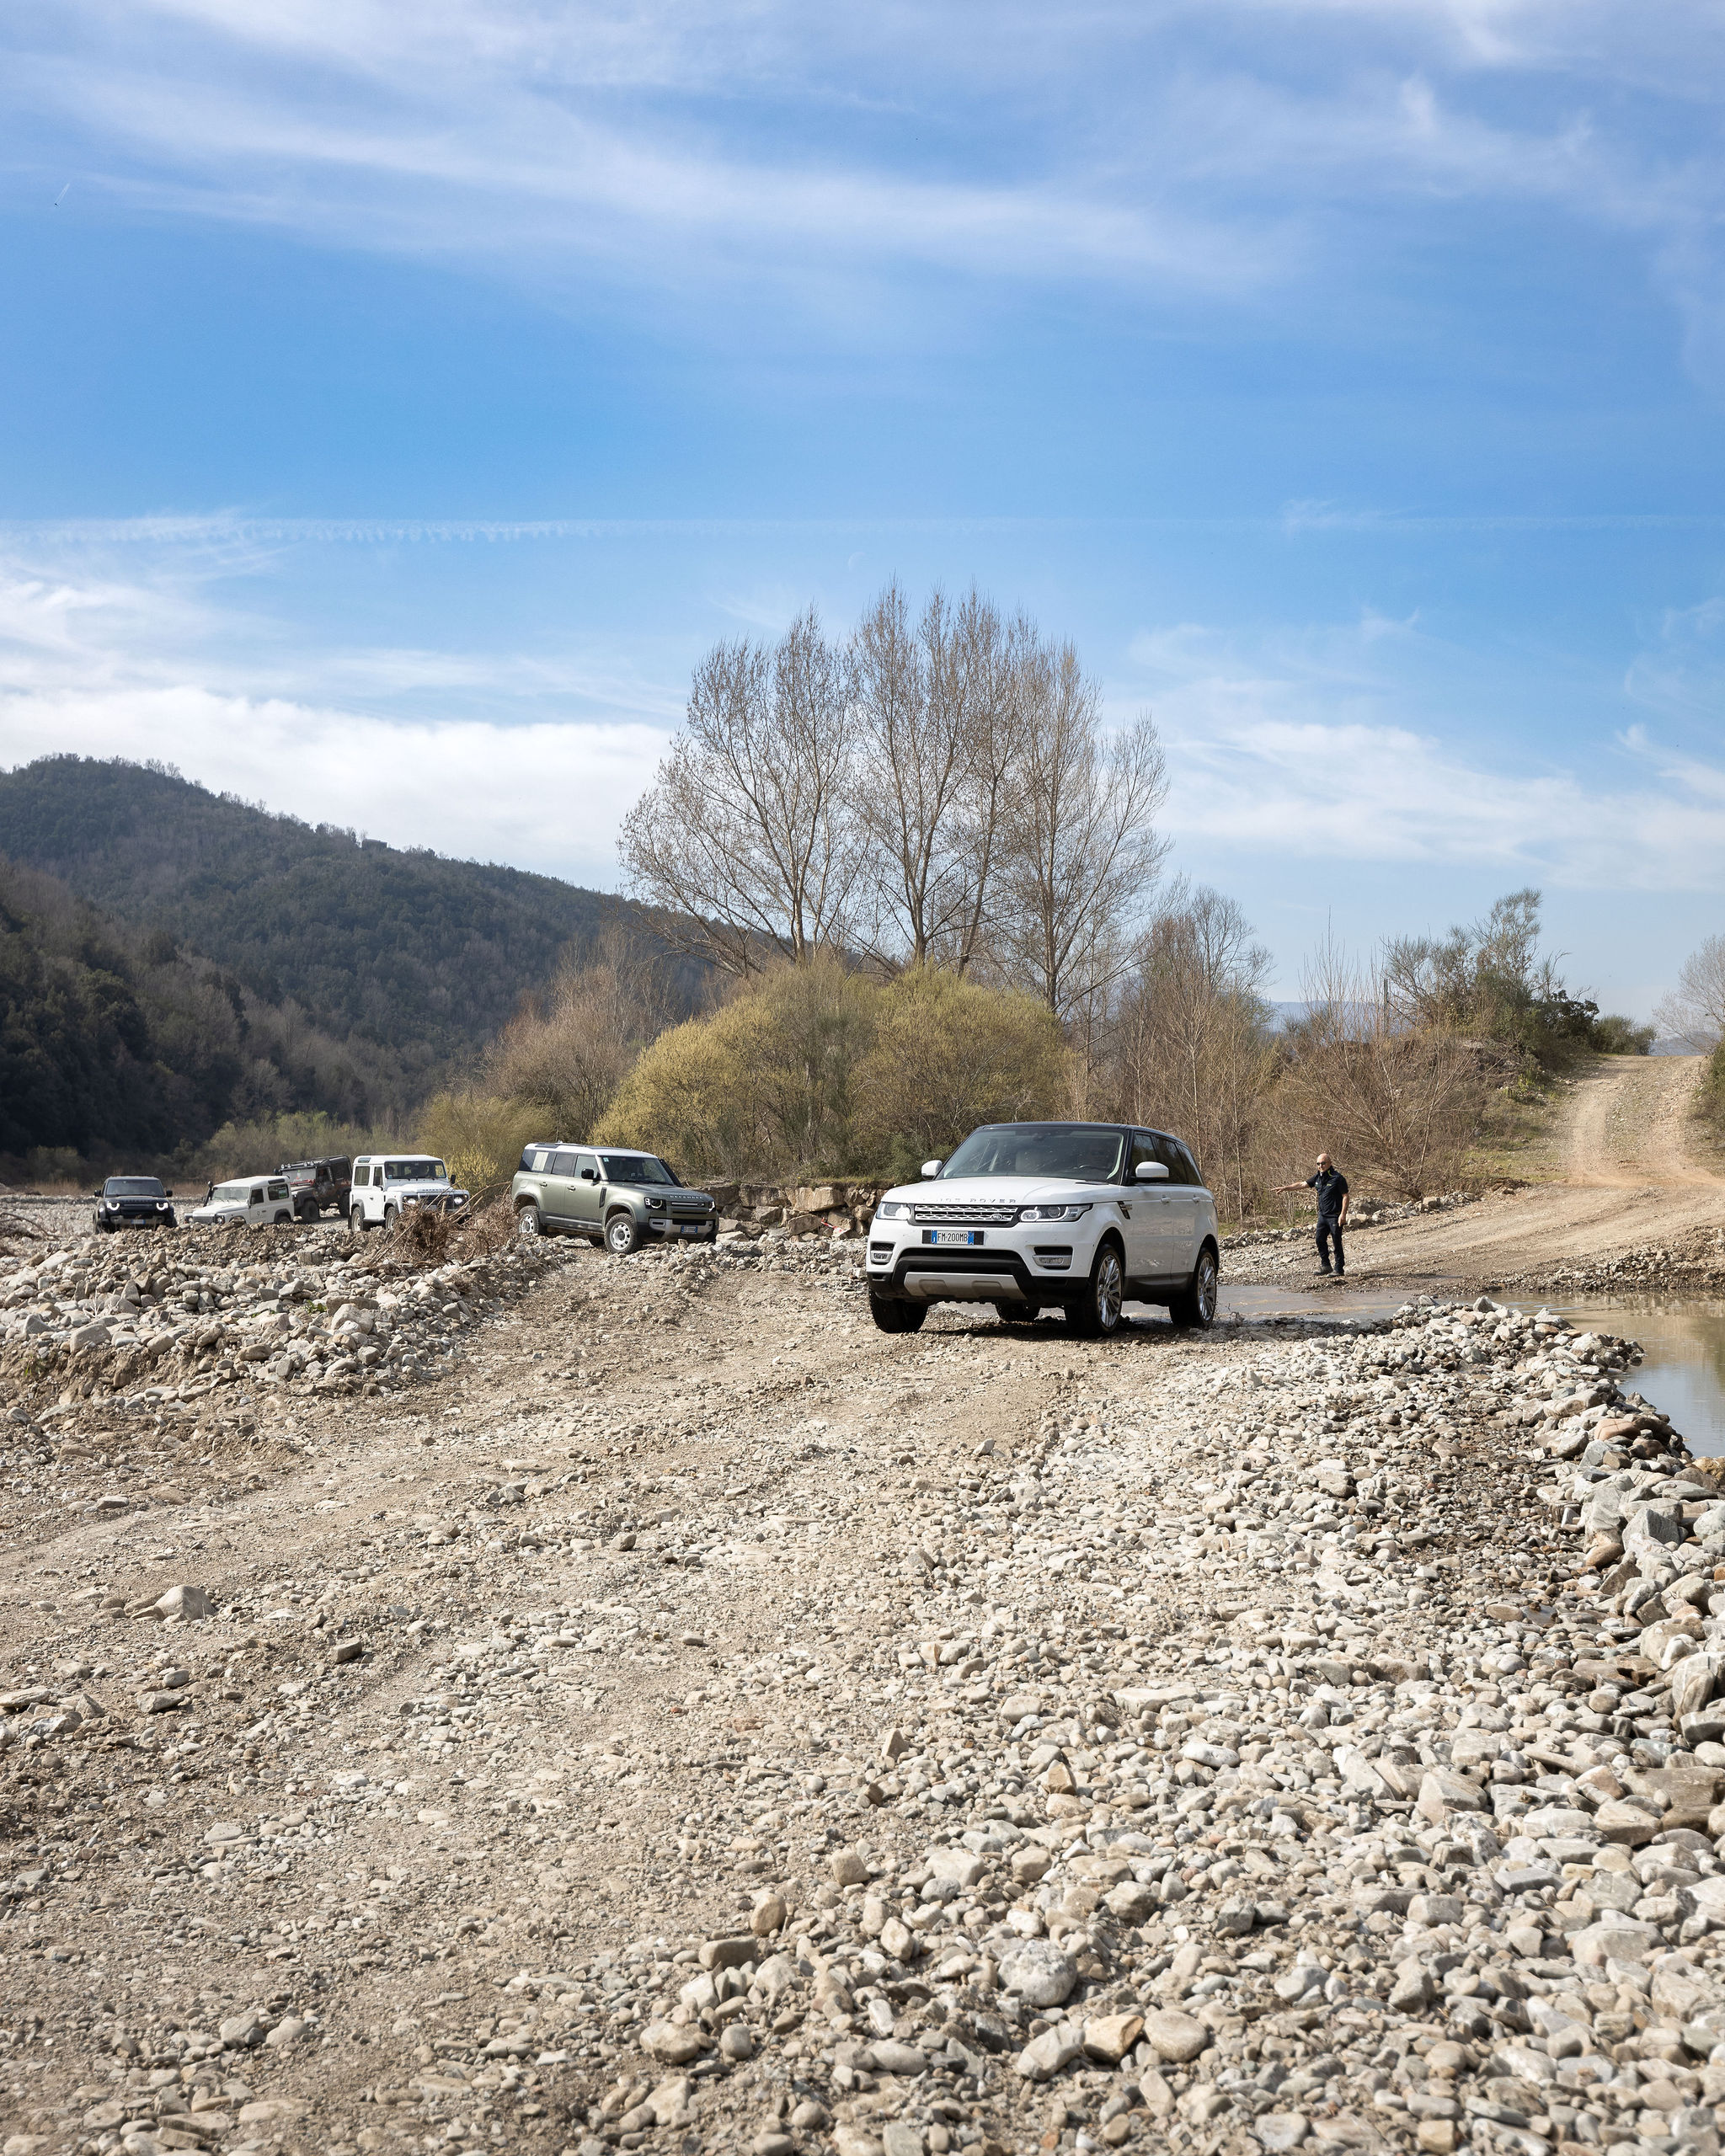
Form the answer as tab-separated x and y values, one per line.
1174	151
1301	746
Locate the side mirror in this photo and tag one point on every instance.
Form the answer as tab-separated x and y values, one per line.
589	1175
1151	1171
168	1194
931	1168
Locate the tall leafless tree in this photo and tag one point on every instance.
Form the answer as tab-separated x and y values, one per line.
1083	853
747	844
914	694
1695	1011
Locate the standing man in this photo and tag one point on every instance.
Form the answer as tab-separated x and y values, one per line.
1332	1190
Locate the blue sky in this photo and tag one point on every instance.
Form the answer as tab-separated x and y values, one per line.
396	401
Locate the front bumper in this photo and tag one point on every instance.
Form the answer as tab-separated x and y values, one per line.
142	1218
683	1227
1035	1265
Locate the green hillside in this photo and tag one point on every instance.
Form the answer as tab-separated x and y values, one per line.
421	957
116	1044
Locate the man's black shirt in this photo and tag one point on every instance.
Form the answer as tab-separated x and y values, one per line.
1332	1187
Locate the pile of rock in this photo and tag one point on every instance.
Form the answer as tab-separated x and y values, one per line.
98	1320
748	1210
1387	1855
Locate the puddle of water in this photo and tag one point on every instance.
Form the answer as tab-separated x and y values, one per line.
1682	1372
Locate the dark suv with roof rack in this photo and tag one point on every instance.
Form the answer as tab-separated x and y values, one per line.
317	1186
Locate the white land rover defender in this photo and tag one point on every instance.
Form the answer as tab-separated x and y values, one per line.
1079	1217
386	1184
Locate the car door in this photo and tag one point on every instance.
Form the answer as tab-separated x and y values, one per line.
558	1202
1185	1206
257	1206
1145	1205
587	1183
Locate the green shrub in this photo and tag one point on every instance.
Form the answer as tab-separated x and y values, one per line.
817	1069
1709	1102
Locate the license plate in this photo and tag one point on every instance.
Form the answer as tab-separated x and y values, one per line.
967	1238
691	1228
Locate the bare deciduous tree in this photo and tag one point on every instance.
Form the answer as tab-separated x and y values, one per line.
568	1051
914	699
746	844
1083	853
1190	1044
1388	1097
1696	1010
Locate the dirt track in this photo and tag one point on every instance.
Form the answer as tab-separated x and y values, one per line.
1628	1176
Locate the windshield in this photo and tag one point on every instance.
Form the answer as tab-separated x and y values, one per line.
231	1194
1069	1152
635	1167
414	1171
131	1186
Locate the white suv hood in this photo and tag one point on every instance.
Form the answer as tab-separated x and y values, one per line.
1004	1190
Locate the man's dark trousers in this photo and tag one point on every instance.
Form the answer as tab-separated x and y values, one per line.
1326	1229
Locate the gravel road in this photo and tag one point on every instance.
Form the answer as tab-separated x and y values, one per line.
672	1715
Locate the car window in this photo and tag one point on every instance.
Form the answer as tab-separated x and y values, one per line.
1143	1150
635	1167
563	1164
587	1164
278	1190
414	1170
1069	1152
536	1159
1194	1174
131	1186
1171	1151
256	1197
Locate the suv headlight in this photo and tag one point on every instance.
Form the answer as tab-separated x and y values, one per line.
894	1209
1054	1211
655	1205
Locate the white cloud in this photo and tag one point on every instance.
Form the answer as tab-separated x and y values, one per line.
152	665
545	796
1312	748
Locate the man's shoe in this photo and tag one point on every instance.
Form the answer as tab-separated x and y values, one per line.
1324	1271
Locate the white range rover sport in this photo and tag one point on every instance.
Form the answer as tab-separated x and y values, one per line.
1079	1217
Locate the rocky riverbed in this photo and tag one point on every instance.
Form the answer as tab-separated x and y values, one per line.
686	1719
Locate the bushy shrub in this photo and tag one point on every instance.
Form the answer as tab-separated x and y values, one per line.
1709	1102
480	1137
1616	1035
947	1055
817	1069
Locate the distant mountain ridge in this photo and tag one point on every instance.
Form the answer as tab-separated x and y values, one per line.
420	956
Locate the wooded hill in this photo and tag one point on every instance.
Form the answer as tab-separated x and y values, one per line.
354	976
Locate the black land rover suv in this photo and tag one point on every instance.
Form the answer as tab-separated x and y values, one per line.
133	1202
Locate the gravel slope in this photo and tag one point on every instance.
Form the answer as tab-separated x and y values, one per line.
691	1719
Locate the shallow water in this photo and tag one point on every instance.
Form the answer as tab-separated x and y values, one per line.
1682	1372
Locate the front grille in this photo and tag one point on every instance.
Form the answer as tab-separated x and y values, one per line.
960	1260
965	1216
